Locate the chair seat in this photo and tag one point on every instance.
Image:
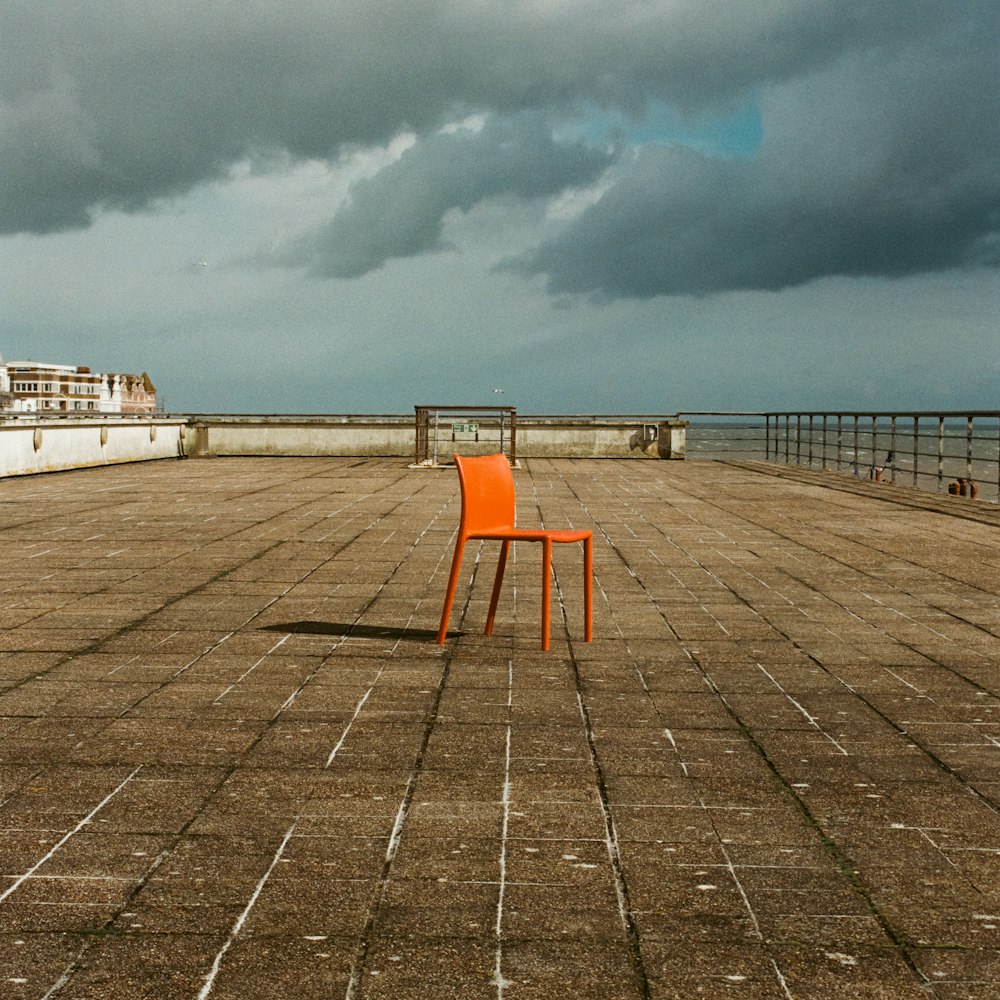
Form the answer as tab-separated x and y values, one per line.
557	535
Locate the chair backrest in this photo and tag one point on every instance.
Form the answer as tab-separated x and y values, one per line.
487	493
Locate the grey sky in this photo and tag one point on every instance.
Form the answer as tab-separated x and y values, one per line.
331	206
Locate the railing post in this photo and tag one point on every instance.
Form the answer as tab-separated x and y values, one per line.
788	432
810	440
998	460
968	447
892	450
823	459
940	454
916	450
798	438
840	441
420	446
857	467
874	446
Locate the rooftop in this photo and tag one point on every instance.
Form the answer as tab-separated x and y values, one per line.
235	764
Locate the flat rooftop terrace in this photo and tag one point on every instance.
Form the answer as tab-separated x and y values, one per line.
235	764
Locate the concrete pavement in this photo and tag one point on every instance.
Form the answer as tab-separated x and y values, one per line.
234	763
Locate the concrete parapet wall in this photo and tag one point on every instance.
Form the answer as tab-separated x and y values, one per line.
392	436
381	436
575	442
51	445
594	437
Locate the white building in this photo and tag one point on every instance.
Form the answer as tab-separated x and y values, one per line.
34	387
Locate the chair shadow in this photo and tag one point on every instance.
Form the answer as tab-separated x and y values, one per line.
356	630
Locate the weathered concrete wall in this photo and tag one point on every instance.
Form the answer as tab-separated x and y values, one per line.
50	445
382	436
392	436
594	437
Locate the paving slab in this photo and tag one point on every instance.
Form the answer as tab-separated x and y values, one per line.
234	763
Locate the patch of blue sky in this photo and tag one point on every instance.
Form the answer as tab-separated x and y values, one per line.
736	134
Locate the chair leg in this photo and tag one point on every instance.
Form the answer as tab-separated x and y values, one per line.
497	582
449	597
546	591
588	588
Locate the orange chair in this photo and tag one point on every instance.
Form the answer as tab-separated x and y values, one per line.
488	512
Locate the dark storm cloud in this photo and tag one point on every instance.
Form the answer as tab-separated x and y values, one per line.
871	162
114	104
399	211
885	164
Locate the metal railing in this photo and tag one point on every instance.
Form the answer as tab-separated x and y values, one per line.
14	418
473	429
939	451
